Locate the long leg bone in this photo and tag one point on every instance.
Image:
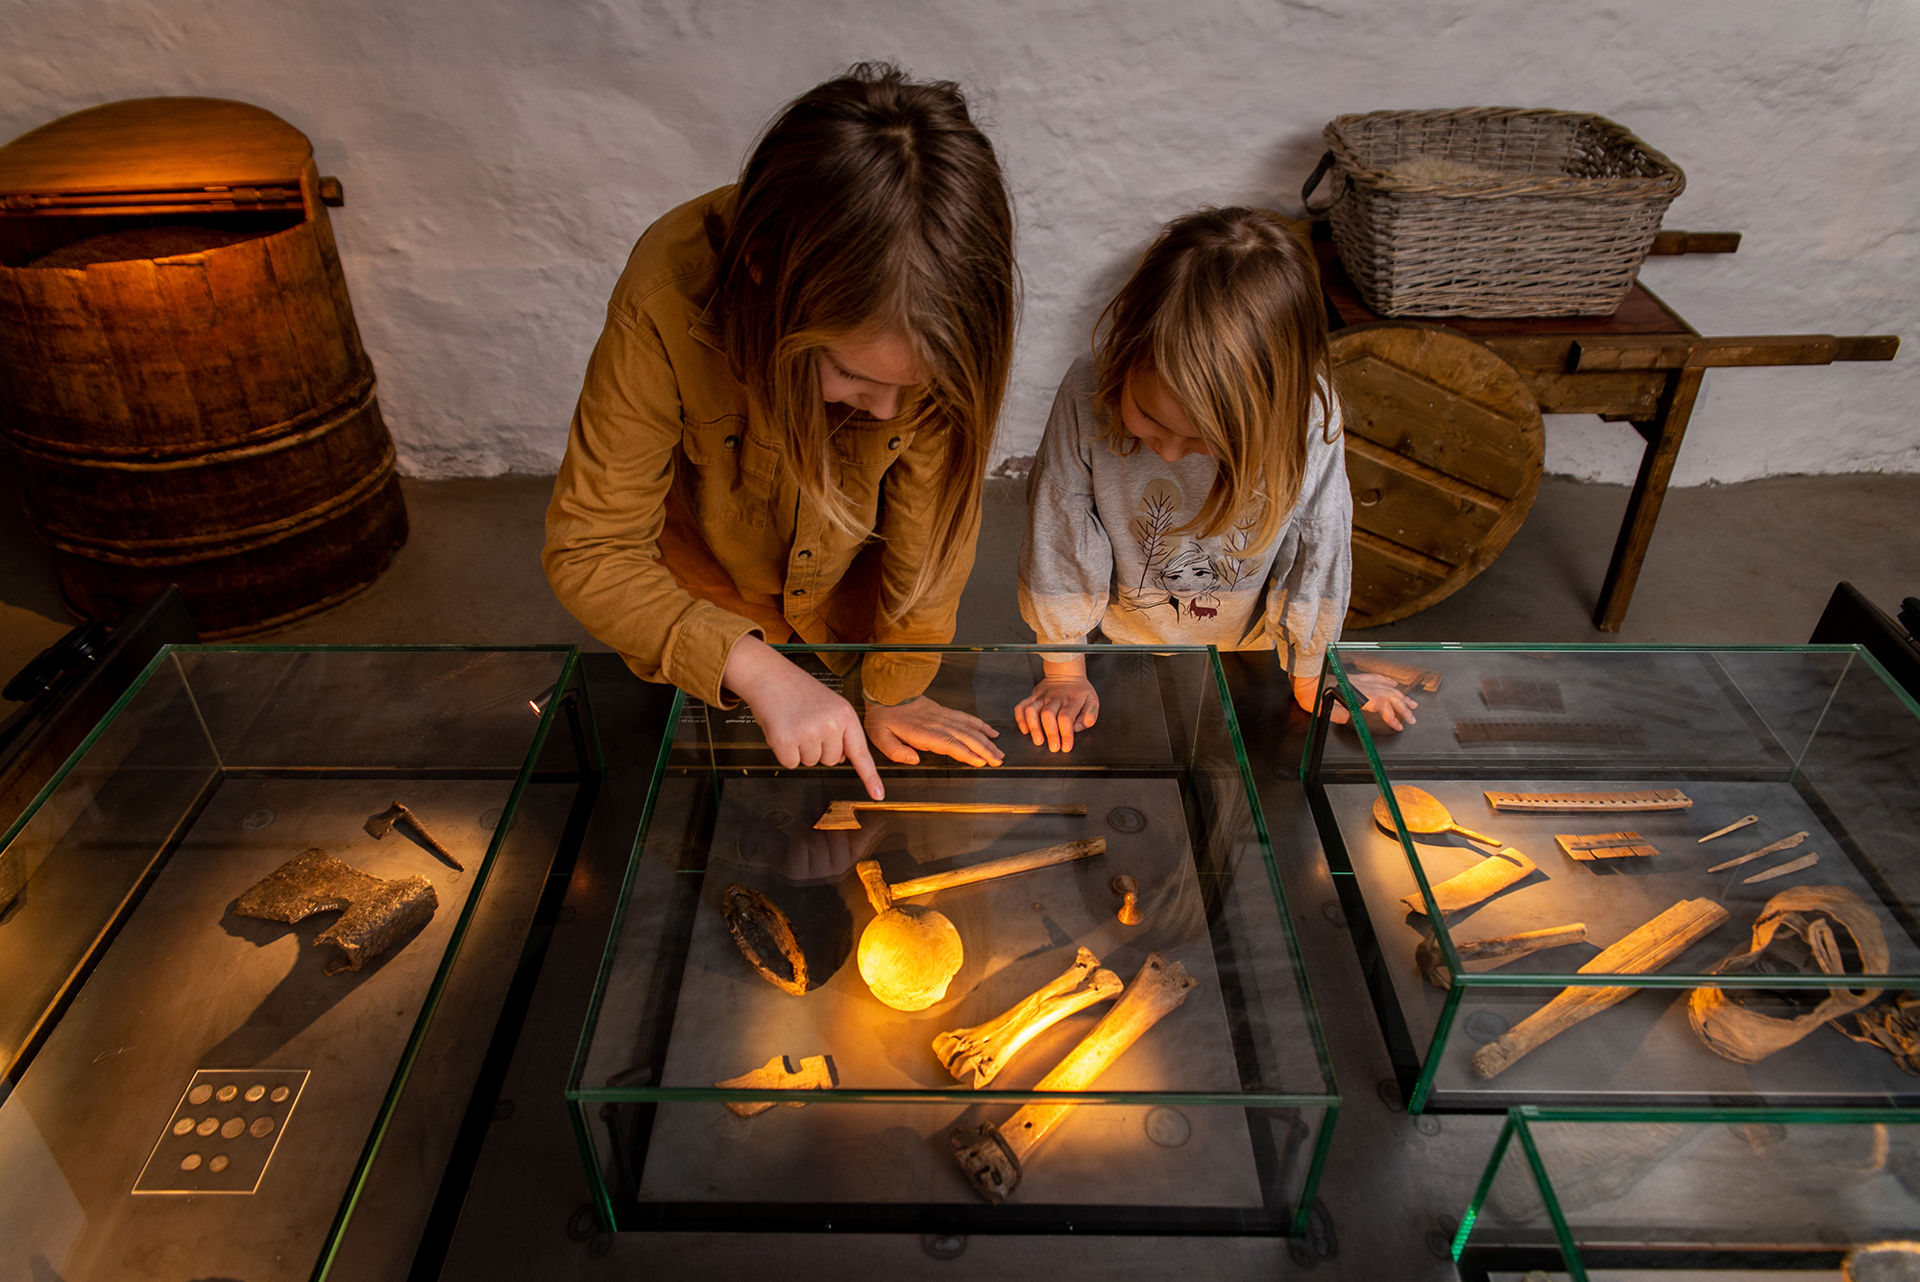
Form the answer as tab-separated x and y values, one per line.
1648	947
1482	881
985	1049
992	1155
816	1073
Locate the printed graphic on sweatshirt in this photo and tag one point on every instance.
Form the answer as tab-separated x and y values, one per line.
1181	574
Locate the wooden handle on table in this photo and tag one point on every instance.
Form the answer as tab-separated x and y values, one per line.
1471	835
1045	857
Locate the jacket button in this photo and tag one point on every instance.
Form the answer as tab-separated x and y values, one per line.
804	553
894	444
731	442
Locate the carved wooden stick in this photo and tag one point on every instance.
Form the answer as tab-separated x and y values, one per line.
1045	857
992	1155
1489	954
1785	843
816	1073
1792	865
1649	947
985	1049
1482	881
845	815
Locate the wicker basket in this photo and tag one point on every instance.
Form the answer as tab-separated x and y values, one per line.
1493	211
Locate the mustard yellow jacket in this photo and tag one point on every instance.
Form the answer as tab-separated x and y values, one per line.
674	529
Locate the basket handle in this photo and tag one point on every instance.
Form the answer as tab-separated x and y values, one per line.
1313	180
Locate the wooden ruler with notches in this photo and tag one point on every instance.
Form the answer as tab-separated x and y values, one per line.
1650	799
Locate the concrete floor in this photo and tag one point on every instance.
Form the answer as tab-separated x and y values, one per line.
1739	564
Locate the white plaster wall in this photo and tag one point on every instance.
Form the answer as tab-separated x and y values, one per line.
500	157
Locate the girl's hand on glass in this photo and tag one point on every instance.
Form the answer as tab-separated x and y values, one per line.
805	723
903	731
1383	698
1060	704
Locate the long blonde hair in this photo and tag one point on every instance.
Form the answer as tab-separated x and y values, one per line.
1225	307
873	204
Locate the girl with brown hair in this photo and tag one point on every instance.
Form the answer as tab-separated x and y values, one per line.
1232	527
784	427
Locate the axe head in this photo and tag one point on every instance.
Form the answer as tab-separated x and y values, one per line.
840	817
382	824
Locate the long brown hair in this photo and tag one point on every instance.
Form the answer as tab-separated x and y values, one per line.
873	204
1225	307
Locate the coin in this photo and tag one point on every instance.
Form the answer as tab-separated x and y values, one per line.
256	1093
280	1094
200	1094
226	1094
261	1128
219	1163
191	1162
183	1127
208	1126
231	1128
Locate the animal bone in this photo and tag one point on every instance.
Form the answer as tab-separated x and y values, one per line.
1785	843
1804	917
985	1049
376	912
992	1156
1792	865
1649	947
1648	799
382	824
1735	826
1489	954
1482	881
816	1073
845	815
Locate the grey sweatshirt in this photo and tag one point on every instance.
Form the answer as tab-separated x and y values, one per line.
1101	548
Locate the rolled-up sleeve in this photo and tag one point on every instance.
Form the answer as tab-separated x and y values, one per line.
1066	560
908	517
602	552
1312	574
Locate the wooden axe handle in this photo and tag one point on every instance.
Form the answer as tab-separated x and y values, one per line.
1045	857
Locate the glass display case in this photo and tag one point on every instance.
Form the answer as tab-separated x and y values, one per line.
1713	1193
1105	1055
245	993
1632	876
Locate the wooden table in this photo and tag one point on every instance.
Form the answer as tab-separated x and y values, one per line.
1641	365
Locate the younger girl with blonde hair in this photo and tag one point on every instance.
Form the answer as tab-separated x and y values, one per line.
1232	526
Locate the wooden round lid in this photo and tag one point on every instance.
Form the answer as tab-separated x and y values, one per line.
1444	449
155	144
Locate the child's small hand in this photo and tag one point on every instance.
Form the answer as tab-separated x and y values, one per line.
1059	705
1384	700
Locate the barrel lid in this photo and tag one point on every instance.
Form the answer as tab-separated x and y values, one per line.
1444	448
180	146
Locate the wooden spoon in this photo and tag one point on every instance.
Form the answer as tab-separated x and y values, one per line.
1424	814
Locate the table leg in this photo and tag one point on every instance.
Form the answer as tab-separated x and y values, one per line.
1664	433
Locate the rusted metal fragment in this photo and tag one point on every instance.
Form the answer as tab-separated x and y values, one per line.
374	914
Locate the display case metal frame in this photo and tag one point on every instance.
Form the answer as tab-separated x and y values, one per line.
1819	733
1863	1187
1167	736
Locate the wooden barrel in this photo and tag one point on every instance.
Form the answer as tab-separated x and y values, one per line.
180	371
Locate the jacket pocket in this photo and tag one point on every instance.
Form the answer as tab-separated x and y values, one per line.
729	481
